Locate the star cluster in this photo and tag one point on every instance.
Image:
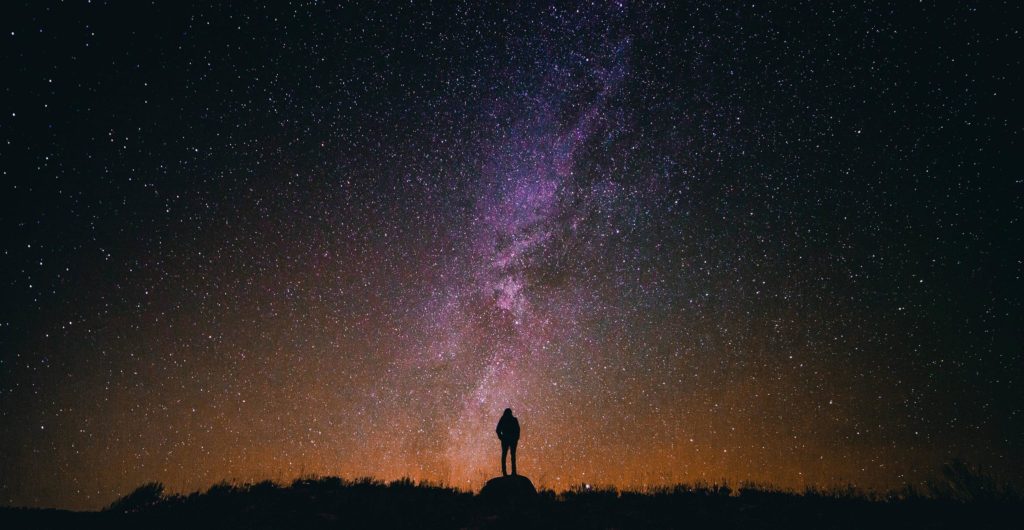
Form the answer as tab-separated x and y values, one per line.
682	241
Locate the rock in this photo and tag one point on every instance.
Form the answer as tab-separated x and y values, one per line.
508	488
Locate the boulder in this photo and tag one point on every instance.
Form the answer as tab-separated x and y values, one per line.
508	488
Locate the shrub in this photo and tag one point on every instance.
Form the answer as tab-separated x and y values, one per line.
143	497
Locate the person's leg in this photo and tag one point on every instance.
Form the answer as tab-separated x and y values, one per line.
504	451
514	444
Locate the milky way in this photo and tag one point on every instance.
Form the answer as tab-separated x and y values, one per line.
689	242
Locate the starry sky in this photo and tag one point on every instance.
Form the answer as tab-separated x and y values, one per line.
682	241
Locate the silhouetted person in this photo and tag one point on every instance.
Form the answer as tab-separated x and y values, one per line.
508	433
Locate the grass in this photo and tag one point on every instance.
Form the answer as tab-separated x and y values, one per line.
961	499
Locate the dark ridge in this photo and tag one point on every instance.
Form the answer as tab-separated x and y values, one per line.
332	502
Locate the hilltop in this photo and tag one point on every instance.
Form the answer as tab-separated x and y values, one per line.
332	502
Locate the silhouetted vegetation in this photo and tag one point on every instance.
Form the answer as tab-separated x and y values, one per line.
964	482
143	497
964	499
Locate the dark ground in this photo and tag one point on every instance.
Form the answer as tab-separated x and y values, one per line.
335	503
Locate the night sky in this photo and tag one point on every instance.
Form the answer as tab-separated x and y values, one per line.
694	241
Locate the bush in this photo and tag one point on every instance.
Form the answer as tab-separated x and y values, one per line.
966	483
143	497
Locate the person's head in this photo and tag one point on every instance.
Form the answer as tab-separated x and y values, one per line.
508	412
